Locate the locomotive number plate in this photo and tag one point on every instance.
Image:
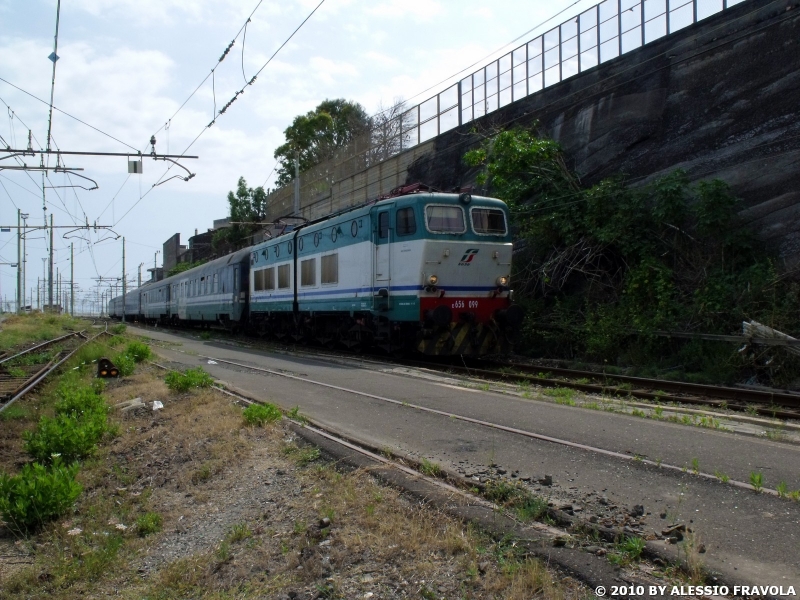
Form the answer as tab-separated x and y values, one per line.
464	304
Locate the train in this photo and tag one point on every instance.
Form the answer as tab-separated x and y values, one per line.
420	271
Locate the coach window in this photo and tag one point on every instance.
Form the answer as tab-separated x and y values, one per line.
445	219
269	278
406	223
383	225
216	283
330	268
258	280
488	221
308	272
283	276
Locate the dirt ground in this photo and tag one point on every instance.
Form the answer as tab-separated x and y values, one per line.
189	502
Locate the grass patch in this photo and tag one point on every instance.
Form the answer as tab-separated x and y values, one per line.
118	329
627	550
261	414
192	378
14	413
148	524
431	469
757	481
562	395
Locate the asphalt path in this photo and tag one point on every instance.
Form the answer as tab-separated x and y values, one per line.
750	537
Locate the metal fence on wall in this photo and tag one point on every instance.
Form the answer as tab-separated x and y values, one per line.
596	35
377	161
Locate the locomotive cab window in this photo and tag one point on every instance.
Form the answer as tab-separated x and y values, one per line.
488	221
308	272
283	276
406	223
383	225
445	219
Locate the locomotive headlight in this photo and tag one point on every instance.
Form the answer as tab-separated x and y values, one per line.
433	279
502	280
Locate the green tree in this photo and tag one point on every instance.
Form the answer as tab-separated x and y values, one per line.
246	208
316	135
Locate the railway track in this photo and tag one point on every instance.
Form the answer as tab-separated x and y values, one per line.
22	372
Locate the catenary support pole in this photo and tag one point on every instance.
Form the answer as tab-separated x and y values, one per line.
50	267
19	261
124	283
72	279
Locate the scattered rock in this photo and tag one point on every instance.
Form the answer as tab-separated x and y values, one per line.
546	480
673	528
560	542
603	500
324	522
593	519
594	550
637	511
663	515
483	567
501	471
701	548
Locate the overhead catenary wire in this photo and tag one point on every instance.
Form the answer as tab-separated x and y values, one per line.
225	108
65	113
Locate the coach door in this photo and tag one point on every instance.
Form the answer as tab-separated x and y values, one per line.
236	285
383	238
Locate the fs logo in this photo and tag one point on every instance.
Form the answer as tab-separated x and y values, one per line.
468	256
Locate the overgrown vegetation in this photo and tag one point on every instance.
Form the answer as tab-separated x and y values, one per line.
602	269
185	266
192	378
261	414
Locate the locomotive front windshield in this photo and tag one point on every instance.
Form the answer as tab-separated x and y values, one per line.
445	219
488	221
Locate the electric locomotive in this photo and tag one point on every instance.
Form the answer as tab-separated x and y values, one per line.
424	271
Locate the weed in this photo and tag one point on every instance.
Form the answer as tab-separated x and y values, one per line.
484	387
658	411
592	406
752	409
306	456
223	551
562	395
192	378
202	474
239	532
118	329
695	466
782	489
295	414
38	494
721	476
795	495
500	491
627	550
300	526
16	372
757	480
68	436
205	335
776	435
532	508
13	413
149	523
138	351
431	469
638	413
125	364
261	414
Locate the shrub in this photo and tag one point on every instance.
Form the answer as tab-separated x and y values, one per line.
183	382
125	364
138	351
70	436
78	400
118	329
38	494
261	414
148	523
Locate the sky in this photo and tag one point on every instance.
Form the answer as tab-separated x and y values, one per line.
126	67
